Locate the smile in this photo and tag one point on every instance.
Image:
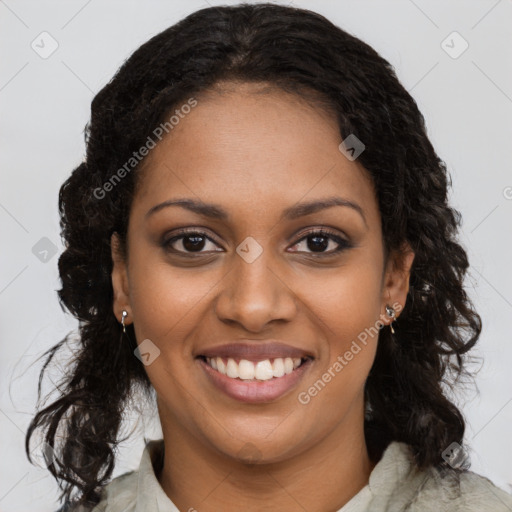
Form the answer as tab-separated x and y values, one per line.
249	370
255	381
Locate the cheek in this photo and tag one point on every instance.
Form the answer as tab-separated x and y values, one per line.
165	298
165	302
346	304
347	300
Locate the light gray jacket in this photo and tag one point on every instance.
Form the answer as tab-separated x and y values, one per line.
395	485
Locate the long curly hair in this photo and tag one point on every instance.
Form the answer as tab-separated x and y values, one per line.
300	52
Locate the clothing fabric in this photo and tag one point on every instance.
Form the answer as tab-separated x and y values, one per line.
395	485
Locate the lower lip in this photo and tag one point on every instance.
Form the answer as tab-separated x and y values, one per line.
255	391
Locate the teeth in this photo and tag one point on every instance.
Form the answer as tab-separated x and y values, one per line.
232	369
247	370
278	367
264	370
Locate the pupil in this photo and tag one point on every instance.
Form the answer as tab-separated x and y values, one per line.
315	245
196	244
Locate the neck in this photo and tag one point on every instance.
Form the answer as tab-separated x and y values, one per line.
324	477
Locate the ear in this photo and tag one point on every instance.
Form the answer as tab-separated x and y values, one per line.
396	281
120	283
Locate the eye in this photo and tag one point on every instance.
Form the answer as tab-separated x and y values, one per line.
193	241
318	241
189	242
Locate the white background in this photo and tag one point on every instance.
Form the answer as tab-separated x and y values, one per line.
467	103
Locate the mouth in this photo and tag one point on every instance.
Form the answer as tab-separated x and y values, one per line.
255	381
244	369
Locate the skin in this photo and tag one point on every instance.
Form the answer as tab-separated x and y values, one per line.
256	152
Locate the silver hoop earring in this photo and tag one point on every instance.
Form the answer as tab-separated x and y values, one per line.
391	314
123	316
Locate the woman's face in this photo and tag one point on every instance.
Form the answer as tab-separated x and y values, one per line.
256	274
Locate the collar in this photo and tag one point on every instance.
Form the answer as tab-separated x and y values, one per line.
150	495
142	489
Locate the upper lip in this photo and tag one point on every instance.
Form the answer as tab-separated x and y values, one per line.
259	350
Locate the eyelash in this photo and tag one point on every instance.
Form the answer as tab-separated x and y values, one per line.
183	233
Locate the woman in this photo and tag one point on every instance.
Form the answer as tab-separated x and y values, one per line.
259	238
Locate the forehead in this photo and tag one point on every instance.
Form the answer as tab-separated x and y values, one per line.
253	146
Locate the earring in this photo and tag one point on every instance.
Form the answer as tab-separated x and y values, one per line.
123	316
391	314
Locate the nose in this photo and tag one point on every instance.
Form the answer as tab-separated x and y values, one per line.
255	294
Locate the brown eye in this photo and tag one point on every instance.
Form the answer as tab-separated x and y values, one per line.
319	241
190	242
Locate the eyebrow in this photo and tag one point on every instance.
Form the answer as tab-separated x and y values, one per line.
298	210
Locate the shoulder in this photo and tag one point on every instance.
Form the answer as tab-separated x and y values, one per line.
119	495
479	493
133	489
436	489
451	490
